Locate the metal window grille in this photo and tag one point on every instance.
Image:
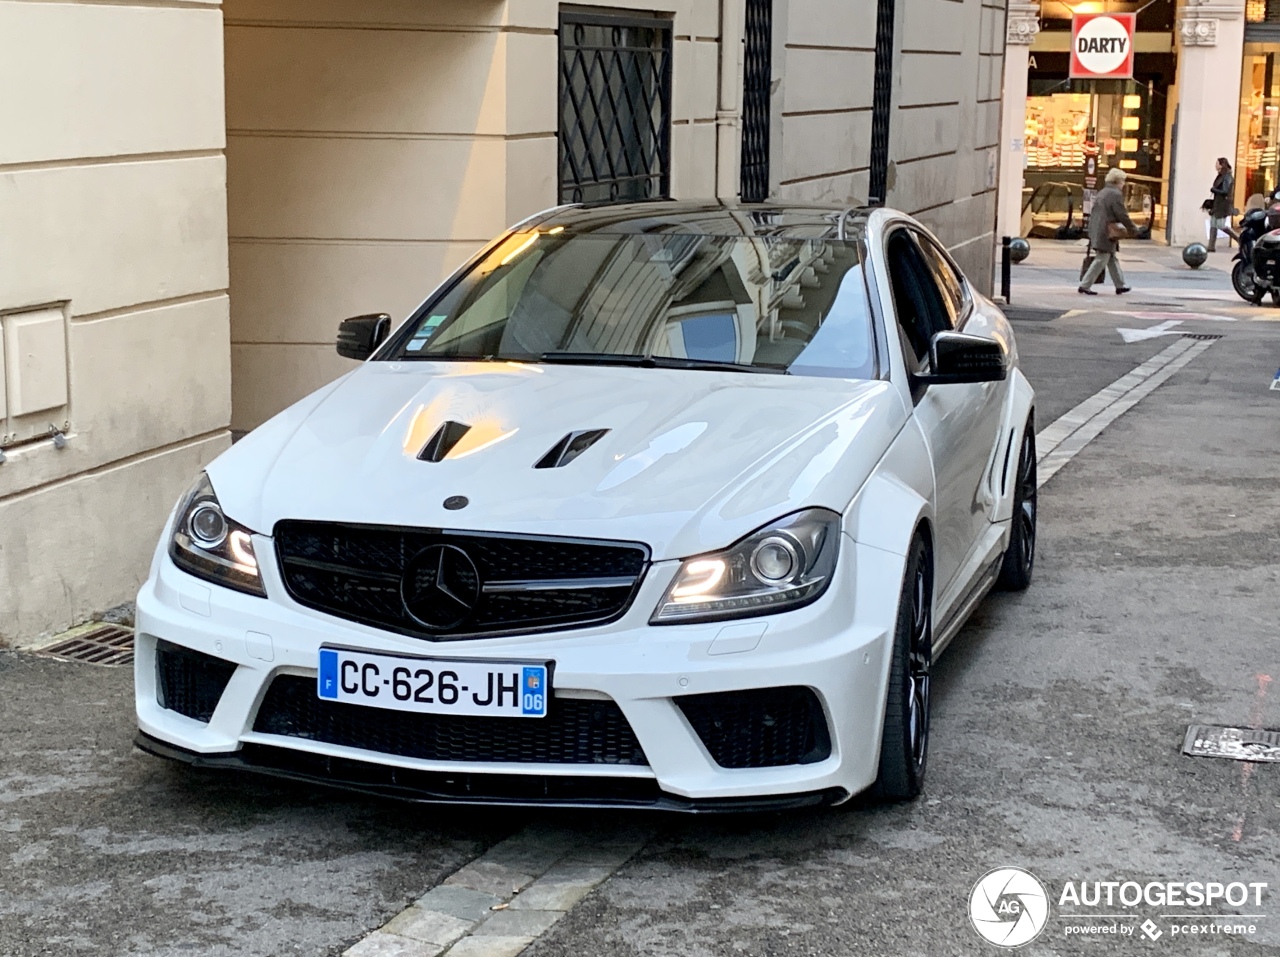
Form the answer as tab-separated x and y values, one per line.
615	107
758	63
881	102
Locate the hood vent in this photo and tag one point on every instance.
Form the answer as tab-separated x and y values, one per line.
442	443
570	447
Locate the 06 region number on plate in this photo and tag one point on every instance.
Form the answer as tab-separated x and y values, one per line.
508	689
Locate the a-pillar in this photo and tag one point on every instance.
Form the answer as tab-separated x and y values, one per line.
1022	26
1211	50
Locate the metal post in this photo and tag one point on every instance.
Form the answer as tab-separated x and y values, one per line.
1006	269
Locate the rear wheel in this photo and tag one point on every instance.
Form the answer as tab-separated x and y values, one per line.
1020	556
1243	281
904	745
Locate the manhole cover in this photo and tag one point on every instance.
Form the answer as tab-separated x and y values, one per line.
1235	744
97	643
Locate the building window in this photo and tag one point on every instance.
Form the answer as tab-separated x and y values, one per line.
758	80
881	103
615	107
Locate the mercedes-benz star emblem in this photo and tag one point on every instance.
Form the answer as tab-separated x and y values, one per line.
440	587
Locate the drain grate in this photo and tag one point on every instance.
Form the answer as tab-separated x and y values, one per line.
97	644
1203	336
1235	744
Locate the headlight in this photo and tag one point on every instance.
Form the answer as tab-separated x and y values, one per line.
211	546
780	567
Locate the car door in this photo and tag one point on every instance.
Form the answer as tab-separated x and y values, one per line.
986	426
948	416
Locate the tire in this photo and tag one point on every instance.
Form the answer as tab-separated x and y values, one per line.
1242	280
1020	557
1275	297
904	743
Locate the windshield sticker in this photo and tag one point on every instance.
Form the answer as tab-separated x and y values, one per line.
424	333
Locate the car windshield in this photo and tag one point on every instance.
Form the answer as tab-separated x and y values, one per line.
674	300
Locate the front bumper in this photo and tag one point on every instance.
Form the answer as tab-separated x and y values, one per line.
841	656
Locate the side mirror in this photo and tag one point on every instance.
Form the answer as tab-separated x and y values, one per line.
956	358
360	336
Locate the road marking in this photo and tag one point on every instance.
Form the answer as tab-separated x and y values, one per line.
508	897
1180	316
1058	443
1161	329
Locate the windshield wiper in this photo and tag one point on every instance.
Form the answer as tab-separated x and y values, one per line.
654	362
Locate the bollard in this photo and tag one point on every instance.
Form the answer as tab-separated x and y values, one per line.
1006	269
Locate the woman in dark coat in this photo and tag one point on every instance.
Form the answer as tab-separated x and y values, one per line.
1108	209
1224	185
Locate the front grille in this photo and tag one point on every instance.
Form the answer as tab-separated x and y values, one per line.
498	584
190	682
575	731
762	728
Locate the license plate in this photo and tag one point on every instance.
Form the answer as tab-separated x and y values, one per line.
507	689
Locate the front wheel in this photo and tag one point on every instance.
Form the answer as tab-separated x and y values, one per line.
904	744
1020	556
1242	279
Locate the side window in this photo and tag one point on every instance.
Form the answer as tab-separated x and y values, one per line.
952	286
920	305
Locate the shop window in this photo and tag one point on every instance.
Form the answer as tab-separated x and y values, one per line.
1258	151
615	107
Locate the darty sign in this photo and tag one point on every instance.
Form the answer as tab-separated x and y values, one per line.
1102	46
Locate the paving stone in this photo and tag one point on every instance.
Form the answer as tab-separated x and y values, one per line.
489	946
433	927
518	923
459	901
602	856
490	877
560	888
379	944
532	851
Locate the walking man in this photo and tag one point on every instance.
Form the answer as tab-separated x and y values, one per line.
1108	221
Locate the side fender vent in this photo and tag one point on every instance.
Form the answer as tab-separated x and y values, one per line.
570	447
442	443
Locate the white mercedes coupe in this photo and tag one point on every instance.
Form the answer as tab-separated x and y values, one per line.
669	505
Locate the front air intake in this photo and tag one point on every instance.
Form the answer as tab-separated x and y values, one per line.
570	447
442	443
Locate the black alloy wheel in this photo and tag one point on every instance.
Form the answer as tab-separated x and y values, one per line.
904	745
1020	555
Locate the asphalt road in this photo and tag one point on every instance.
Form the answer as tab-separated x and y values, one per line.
1059	717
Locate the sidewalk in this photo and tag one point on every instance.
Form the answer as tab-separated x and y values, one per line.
1050	276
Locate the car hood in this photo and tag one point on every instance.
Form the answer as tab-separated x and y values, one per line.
692	460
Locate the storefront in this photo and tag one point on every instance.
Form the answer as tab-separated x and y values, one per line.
1164	126
1113	123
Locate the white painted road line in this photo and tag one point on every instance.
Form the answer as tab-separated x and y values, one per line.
1058	443
504	900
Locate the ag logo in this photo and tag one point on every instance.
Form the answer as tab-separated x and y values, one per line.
1102	45
1008	907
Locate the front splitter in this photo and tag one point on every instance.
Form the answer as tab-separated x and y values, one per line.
502	790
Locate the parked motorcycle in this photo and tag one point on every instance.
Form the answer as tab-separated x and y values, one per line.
1257	261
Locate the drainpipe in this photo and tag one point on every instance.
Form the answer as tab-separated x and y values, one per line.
729	109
